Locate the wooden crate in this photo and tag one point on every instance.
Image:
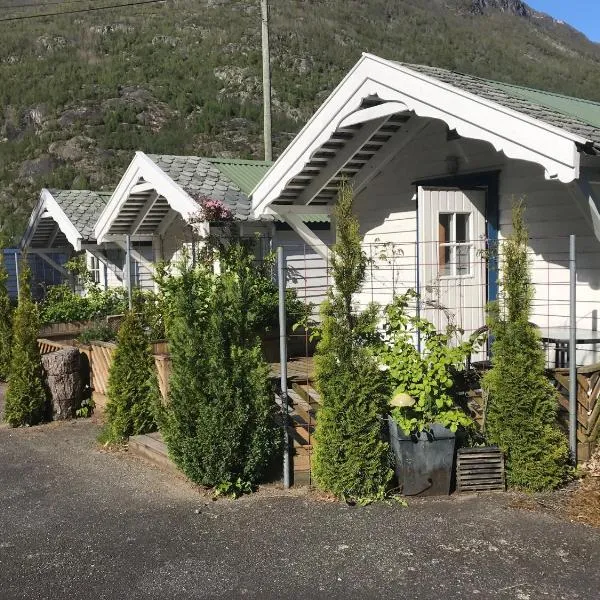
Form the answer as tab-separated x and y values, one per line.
480	470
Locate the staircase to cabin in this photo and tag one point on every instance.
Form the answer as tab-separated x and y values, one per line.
304	404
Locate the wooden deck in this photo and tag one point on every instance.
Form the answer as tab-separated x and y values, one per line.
298	370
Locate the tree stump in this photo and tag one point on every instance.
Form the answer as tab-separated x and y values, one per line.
63	377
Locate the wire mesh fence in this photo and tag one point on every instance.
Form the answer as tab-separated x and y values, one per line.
455	284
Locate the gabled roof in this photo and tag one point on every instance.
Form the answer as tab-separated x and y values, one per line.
218	179
64	217
82	208
158	188
576	115
382	105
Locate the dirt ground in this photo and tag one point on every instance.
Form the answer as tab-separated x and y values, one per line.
79	522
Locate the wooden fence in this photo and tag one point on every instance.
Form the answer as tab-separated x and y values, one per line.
588	405
100	356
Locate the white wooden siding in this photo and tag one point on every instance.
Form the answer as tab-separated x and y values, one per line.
388	215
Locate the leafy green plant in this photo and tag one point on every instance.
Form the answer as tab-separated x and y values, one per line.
219	422
522	403
6	316
351	459
63	305
421	380
86	409
26	397
133	393
233	489
99	332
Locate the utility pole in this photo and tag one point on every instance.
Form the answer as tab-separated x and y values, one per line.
266	57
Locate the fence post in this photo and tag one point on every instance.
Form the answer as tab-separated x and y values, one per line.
128	270
283	365
572	350
17	276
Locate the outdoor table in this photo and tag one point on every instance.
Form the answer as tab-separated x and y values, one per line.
559	336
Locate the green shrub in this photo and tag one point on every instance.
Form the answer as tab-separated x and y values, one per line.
6	314
26	394
422	380
133	394
351	460
99	332
63	305
522	405
219	421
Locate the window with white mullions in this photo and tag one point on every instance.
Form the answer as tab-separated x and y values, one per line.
95	268
454	244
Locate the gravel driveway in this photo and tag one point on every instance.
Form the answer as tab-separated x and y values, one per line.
80	523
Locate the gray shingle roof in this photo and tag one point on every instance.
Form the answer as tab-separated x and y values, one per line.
82	207
534	103
201	178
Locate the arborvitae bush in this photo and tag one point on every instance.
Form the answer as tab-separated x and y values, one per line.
522	404
26	395
133	393
5	322
219	422
351	460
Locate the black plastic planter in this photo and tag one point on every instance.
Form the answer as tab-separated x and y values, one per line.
423	461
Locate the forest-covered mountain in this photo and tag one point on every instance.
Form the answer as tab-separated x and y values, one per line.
80	93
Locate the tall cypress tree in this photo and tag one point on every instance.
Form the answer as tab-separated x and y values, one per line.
350	460
26	396
522	404
133	392
5	322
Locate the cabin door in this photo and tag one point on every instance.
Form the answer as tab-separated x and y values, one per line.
452	263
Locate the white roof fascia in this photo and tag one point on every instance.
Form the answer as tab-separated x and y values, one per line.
47	202
142	167
518	136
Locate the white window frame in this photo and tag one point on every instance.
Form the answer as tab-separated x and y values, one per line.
95	268
454	245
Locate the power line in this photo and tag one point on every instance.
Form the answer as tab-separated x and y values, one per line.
80	10
40	4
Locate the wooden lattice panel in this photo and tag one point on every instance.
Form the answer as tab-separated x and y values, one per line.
480	470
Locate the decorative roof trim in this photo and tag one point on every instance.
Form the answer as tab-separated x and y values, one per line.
517	135
143	167
47	202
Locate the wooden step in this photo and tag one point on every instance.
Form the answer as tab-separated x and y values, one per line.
308	394
152	448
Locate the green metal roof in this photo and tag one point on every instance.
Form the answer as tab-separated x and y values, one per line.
584	110
246	174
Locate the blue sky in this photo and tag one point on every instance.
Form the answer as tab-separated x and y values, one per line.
581	14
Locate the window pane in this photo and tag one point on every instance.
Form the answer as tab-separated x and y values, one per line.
445	261
462	227
463	265
444	230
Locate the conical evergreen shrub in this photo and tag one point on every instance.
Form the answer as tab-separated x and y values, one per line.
219	422
133	393
351	460
6	315
522	405
26	396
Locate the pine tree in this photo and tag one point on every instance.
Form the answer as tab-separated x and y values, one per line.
351	460
219	421
6	314
26	397
522	405
133	393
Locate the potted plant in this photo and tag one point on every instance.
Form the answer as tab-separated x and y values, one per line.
420	363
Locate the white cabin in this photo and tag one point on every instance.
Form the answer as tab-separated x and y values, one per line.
436	159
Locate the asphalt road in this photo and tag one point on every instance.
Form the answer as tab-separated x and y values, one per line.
77	522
